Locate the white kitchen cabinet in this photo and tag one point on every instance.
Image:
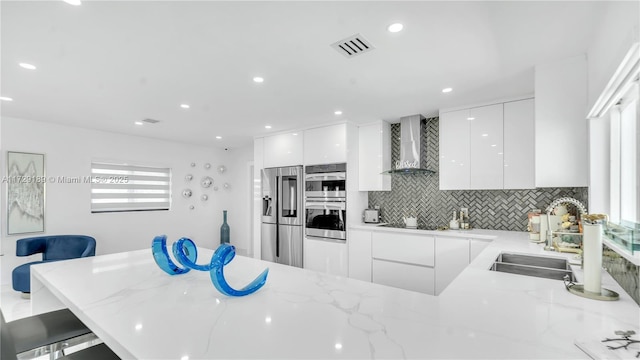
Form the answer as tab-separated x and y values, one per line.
374	153
405	261
519	151
405	248
359	246
283	150
560	123
486	147
404	276
326	256
325	145
454	170
475	248
452	256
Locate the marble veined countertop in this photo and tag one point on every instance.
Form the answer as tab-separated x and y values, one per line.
143	313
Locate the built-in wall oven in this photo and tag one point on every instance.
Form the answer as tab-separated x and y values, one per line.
325	201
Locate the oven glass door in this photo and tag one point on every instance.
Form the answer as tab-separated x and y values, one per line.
326	219
325	185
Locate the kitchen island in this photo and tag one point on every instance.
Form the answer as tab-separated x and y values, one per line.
143	313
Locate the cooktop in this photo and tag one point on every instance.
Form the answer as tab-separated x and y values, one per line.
403	226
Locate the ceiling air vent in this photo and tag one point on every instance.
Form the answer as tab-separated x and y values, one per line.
352	46
151	121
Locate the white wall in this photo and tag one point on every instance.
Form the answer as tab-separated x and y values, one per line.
238	198
615	34
560	126
69	152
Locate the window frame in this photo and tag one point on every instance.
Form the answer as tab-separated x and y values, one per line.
125	187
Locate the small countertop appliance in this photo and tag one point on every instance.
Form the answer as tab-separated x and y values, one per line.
371	216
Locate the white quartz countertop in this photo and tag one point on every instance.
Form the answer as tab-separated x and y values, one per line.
143	313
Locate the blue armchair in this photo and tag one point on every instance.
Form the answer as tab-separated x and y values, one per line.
53	248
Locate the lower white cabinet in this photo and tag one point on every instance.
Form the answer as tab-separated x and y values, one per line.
404	276
359	245
404	261
326	256
415	262
475	248
452	256
404	248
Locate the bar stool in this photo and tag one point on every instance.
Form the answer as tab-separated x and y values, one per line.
49	333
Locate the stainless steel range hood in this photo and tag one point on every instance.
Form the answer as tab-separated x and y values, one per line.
410	136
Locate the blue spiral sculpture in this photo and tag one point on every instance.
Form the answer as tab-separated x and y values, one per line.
186	253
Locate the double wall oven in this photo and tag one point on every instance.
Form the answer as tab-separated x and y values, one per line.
325	201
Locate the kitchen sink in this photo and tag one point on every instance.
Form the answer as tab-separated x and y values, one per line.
531	265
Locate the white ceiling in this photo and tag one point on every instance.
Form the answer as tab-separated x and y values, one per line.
104	65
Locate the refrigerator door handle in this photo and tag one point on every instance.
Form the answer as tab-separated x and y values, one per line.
278	207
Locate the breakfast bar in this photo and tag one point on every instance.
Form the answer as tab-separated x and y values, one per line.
140	312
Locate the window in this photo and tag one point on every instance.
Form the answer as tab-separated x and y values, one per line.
618	109
122	187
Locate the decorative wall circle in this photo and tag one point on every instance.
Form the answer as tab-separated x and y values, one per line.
186	193
206	182
222	169
191	207
215	188
193	164
204	197
188	178
207	166
226	186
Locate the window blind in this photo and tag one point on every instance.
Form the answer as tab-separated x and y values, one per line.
121	187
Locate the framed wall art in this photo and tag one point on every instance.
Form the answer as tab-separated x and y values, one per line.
25	193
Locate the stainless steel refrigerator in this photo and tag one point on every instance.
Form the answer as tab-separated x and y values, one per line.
282	215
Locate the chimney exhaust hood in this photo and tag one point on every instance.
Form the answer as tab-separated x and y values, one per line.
410	146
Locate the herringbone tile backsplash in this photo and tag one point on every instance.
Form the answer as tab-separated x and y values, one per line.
419	195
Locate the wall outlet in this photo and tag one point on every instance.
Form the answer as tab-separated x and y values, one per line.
465	211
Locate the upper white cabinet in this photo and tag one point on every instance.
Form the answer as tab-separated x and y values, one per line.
486	147
283	150
454	170
560	123
325	145
374	153
519	151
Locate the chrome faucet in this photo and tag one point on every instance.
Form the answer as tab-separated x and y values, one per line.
581	208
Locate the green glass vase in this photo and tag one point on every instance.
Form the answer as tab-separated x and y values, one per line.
224	229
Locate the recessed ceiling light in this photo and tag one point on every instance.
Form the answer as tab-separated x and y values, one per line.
218	137
338	112
73	2
471	118
395	27
139	123
267	126
446	90
485	135
258	79
184	106
493	145
295	134
27	66
4	98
